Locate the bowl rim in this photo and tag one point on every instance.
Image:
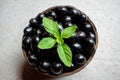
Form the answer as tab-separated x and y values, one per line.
93	50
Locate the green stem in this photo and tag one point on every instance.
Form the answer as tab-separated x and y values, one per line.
60	40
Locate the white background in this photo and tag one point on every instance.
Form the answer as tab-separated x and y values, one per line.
14	17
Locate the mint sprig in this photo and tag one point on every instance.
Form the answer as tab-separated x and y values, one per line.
51	26
47	43
64	51
65	54
67	32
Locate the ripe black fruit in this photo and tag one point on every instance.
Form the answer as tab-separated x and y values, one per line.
40	17
67	19
37	32
79	59
81	35
56	68
35	41
87	27
89	44
68	69
33	60
33	22
52	15
76	47
44	66
28	30
91	35
26	42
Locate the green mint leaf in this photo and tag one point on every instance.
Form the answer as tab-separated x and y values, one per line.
50	26
67	32
65	54
46	43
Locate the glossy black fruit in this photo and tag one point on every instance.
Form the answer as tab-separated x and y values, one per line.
63	10
33	22
79	59
29	52
87	27
28	30
67	19
83	18
37	32
81	35
56	68
52	15
76	47
68	24
75	12
44	66
68	69
26	42
91	35
89	44
33	60
34	42
40	17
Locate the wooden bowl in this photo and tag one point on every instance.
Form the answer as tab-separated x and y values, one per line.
92	52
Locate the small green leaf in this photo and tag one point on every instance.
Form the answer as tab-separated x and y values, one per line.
46	43
67	32
65	54
50	26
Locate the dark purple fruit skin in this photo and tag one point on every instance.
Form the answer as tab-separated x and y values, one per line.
39	18
89	44
37	32
68	69
44	66
33	22
34	42
56	68
26	42
28	30
67	19
52	15
87	27
81	35
91	35
76	47
79	59
33	60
